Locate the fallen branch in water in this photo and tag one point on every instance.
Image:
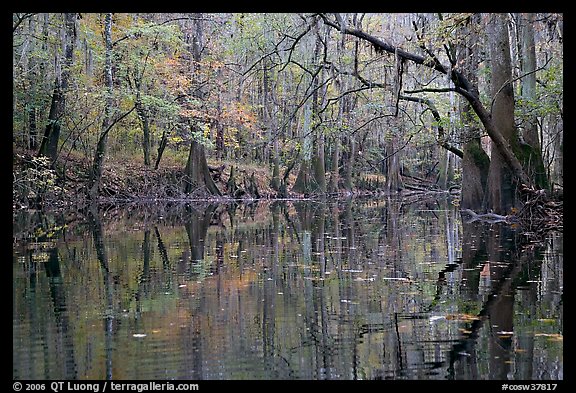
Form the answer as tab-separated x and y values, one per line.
472	216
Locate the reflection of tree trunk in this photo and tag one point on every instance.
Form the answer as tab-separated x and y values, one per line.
196	228
58	295
144	279
98	235
501	314
323	358
393	231
269	300
348	230
162	249
473	255
498	309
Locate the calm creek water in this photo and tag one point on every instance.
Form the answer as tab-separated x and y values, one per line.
375	289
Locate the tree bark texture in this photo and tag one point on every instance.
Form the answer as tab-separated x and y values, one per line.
502	184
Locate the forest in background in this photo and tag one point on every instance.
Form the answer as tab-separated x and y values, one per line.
184	106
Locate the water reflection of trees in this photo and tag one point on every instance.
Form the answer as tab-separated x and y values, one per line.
339	290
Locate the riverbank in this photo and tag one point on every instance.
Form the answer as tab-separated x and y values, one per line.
36	185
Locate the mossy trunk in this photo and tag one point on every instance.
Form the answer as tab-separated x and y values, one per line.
475	165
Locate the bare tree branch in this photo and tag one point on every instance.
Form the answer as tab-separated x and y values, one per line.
441	134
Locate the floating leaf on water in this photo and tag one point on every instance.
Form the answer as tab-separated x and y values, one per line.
502	332
181	285
436	318
139	335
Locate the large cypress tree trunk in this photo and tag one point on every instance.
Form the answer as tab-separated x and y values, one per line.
197	172
502	184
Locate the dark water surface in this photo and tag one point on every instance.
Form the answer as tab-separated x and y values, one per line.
375	289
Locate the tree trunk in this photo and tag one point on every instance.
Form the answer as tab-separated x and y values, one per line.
143	115
394	181
475	161
217	124
100	156
318	161
304	178
196	171
312	174
34	88
275	181
333	185
531	155
49	145
502	183
161	147
349	164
